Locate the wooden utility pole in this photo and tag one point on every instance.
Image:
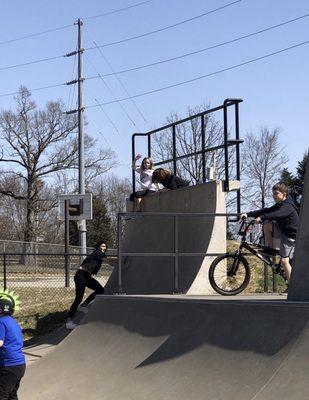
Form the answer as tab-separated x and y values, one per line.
81	138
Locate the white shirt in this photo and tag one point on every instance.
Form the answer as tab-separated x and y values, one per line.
146	179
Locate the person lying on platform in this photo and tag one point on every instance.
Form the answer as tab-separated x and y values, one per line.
285	215
168	180
145	170
83	279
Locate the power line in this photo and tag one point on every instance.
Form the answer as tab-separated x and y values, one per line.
174	85
168	59
202	50
36	34
118	10
122	84
205	76
108	117
31	62
112	93
34	89
121	41
164	28
67	26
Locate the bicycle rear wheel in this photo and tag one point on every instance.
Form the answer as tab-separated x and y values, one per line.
229	274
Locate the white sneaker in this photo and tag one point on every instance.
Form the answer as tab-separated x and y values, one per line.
70	324
83	309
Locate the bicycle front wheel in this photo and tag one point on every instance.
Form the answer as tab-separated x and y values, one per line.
229	274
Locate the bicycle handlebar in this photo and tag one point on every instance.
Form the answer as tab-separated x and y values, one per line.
242	232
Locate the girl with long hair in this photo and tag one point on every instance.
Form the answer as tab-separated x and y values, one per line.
145	170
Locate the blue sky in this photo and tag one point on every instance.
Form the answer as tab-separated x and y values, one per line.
274	90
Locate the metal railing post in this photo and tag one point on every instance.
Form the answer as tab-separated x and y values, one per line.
203	147
133	157
174	150
265	278
176	259
67	243
265	271
275	283
67	269
4	272
237	155
226	155
149	145
119	253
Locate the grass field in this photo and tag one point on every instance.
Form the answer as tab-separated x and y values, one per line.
42	310
256	284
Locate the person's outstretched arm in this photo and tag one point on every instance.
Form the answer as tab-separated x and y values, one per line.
136	168
263	211
277	214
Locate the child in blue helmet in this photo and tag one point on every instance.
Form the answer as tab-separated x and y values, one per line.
12	359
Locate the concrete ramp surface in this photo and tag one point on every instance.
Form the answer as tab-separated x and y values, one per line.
156	234
168	348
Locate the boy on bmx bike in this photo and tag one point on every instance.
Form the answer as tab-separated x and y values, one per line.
285	213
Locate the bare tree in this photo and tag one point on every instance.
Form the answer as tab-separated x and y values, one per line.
114	191
189	140
35	145
263	160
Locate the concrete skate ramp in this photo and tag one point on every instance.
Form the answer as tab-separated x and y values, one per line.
155	348
155	234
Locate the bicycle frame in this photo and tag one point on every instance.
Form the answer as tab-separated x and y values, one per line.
243	231
233	273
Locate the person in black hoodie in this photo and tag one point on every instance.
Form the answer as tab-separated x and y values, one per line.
285	214
167	179
83	278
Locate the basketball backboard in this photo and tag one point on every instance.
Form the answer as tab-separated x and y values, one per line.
79	206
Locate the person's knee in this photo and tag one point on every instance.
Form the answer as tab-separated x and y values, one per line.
285	262
100	290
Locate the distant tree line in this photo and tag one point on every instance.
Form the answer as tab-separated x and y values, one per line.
39	161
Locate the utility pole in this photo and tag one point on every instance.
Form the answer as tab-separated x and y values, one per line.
81	139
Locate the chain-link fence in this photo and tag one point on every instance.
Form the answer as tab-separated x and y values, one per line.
45	280
16	246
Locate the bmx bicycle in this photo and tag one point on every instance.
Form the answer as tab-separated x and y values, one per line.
229	274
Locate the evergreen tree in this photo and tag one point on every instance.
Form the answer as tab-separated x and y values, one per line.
300	176
290	180
73	233
99	228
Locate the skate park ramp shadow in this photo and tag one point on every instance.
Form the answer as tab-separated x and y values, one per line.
170	348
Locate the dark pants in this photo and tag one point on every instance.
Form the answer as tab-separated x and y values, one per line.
82	280
140	194
9	381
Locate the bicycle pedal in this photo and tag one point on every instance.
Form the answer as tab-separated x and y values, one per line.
276	268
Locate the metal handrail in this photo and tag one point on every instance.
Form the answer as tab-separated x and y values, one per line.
225	145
